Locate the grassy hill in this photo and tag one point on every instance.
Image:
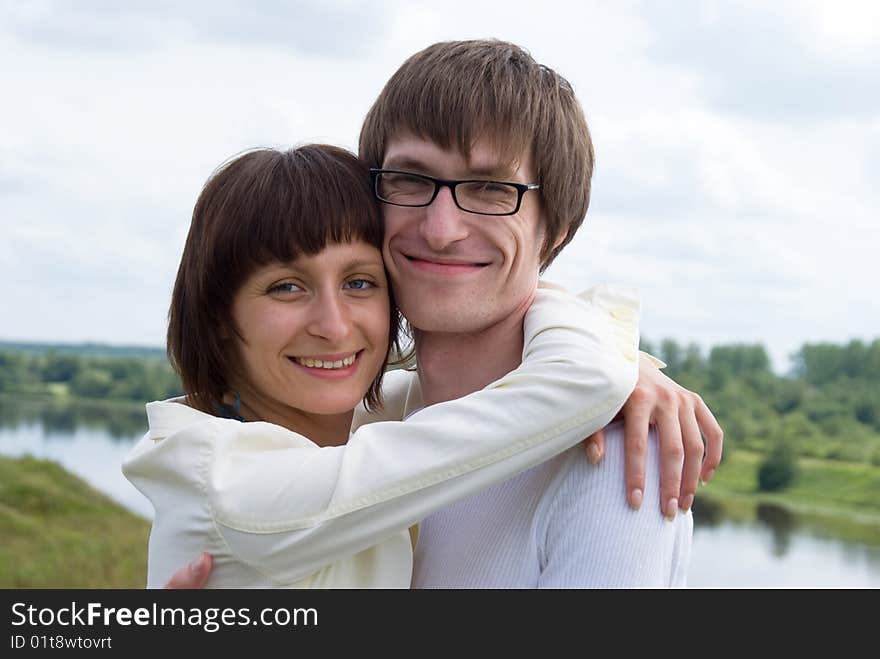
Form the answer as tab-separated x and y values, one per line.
58	532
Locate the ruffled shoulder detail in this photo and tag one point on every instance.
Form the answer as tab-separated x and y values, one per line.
623	306
622	309
168	416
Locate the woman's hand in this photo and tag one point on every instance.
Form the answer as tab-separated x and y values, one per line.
680	416
192	576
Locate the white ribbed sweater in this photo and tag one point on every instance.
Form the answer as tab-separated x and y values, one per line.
562	524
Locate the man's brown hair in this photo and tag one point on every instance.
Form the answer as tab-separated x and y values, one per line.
456	92
261	207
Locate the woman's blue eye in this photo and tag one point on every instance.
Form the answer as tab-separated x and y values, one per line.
286	287
359	284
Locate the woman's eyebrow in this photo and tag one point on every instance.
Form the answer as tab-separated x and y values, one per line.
364	263
290	268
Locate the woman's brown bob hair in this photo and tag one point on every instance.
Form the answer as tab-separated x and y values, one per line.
261	207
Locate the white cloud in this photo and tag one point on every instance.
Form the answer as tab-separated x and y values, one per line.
738	147
777	60
335	28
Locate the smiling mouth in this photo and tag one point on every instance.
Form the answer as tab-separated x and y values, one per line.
452	265
329	365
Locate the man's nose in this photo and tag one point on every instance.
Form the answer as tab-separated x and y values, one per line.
330	319
443	223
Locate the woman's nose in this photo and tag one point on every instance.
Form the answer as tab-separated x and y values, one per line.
330	320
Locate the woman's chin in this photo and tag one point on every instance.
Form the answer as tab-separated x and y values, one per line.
332	407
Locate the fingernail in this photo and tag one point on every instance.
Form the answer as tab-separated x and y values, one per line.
593	454
198	565
708	476
671	509
687	502
635	499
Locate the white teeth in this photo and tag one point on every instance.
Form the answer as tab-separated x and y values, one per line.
317	363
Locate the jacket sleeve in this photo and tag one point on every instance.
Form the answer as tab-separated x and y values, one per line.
290	510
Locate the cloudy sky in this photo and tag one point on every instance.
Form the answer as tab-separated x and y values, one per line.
738	147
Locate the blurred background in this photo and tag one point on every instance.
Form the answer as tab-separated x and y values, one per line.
738	159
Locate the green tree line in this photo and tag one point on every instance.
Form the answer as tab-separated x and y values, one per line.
65	374
828	407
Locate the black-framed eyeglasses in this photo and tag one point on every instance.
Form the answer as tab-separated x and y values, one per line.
470	195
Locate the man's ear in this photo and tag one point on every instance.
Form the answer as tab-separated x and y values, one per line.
559	240
554	245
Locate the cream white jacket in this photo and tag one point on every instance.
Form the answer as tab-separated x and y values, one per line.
276	510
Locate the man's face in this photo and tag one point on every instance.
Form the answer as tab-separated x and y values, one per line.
454	271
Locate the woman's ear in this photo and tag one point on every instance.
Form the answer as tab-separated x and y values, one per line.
227	331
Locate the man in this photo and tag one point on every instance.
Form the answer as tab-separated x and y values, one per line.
483	160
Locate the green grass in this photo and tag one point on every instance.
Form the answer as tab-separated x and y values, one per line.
831	498
820	483
58	532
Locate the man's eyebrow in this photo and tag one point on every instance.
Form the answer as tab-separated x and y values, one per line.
407	163
497	172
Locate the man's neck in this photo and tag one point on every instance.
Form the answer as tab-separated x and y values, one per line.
452	365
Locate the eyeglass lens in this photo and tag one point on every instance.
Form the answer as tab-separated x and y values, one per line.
489	197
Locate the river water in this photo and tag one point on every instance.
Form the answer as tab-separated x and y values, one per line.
769	548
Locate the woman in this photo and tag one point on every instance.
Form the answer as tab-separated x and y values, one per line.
281	322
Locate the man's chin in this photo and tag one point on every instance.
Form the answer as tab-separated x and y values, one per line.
454	321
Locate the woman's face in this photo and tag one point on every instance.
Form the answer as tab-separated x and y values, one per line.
315	330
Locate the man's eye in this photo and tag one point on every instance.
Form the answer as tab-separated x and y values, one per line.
359	284
405	181
490	188
285	287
